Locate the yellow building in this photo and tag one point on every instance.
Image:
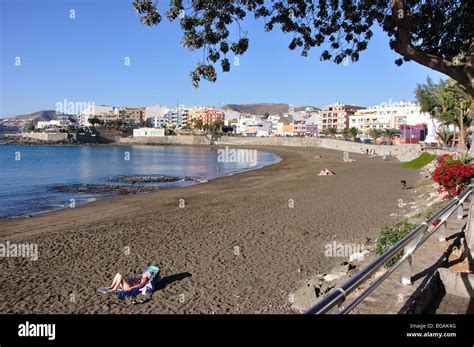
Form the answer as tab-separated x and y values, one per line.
367	119
133	116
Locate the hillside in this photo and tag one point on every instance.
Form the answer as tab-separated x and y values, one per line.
38	116
262	108
14	124
302	108
258	109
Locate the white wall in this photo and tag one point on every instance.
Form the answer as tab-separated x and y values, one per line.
148	132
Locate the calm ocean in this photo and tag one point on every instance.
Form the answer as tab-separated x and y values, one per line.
29	174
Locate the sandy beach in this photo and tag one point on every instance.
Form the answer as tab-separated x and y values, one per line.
236	247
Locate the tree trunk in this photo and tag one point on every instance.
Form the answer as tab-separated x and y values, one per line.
471	112
462	143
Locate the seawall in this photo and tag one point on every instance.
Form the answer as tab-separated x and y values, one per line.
166	140
404	152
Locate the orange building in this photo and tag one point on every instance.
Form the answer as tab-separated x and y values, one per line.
207	115
288	128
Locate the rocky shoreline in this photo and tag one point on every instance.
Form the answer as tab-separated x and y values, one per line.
106	188
123	189
150	179
32	142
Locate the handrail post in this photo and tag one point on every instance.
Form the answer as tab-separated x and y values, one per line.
443	231
407	271
461	211
408	263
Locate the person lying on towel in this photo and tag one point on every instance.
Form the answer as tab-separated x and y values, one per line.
143	282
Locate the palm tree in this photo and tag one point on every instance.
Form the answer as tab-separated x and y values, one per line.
330	131
198	123
448	102
353	132
444	135
375	133
31	127
388	134
217	125
94	121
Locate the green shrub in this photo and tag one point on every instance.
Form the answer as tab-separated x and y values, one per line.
417	163
390	235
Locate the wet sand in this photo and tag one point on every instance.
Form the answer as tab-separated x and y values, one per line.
236	247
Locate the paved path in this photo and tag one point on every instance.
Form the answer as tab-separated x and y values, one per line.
394	297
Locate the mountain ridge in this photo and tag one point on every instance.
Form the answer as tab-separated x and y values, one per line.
262	108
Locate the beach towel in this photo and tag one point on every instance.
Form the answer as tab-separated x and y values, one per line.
153	273
123	294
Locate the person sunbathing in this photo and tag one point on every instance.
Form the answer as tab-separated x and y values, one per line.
317	157
121	283
349	160
326	172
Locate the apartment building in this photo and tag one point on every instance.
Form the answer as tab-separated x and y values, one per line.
208	115
153	113
367	119
336	116
132	116
285	125
97	111
248	125
394	115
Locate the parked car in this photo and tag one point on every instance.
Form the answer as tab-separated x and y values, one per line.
368	141
357	140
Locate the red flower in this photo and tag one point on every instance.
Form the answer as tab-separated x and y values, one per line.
452	176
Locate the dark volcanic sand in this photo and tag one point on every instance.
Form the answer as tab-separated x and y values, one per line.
81	249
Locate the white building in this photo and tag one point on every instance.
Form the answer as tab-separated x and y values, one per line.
391	115
148	132
248	125
367	119
52	123
154	113
178	116
274	121
94	110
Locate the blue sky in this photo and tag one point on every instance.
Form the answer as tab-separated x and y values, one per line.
82	60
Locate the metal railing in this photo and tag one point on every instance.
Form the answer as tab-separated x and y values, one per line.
332	302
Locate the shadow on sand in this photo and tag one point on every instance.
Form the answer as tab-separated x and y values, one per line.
165	281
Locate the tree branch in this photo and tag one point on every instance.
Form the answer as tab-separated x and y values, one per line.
402	45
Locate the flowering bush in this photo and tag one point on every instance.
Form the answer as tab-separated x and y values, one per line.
453	174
